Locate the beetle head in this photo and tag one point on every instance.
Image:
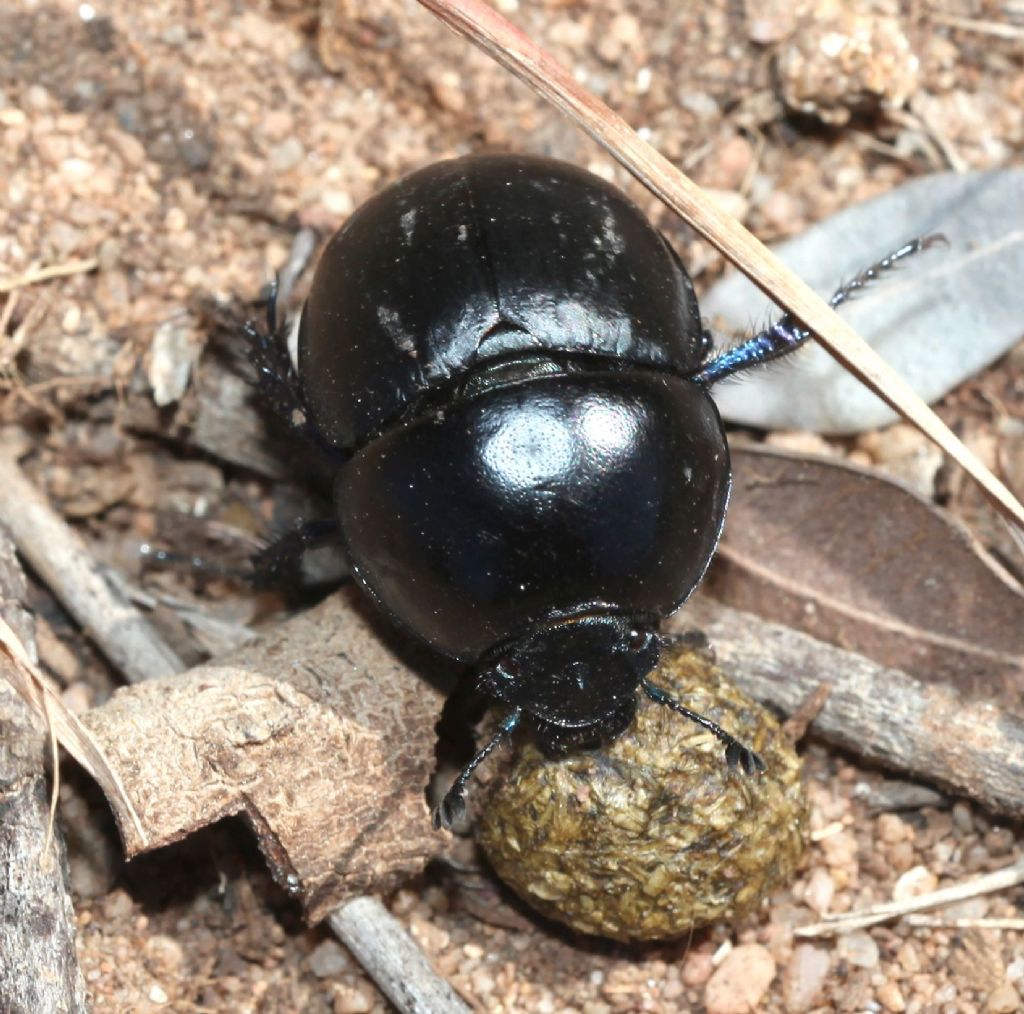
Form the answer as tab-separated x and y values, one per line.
577	678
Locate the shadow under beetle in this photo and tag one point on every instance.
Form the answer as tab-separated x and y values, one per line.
507	362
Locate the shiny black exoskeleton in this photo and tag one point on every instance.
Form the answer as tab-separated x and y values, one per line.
509	361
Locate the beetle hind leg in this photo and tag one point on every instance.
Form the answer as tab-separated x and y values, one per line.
787	334
737	756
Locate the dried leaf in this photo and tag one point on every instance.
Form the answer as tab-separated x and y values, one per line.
937	320
317	733
866	564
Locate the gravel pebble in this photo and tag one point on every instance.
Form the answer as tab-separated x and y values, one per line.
1003	999
741	980
329	959
890	997
350	1000
858	948
916	881
803	980
820	890
697	968
164	955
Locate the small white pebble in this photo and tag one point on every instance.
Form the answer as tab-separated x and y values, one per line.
337	202
72	319
175	220
77	169
916	881
858	948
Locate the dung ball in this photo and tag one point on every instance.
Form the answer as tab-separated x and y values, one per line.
654	833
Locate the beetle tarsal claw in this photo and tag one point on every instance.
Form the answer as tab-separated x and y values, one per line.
738	756
451	809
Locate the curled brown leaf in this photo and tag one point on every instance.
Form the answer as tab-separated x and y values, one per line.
864	563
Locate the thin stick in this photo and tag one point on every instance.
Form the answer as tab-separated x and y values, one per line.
997	28
483	26
60	558
944	922
844	922
400	969
881	714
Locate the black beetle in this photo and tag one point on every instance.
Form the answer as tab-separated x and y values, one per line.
509	363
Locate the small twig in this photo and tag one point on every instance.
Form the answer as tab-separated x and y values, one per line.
934	137
826	832
35	275
58	383
59	556
51	736
883	715
996	28
495	35
7	313
400	968
844	922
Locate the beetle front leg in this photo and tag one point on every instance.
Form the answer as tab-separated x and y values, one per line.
453	806
736	754
787	334
278	380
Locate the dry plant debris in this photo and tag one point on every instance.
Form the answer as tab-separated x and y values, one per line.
38	930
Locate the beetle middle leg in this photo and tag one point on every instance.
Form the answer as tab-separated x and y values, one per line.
787	334
736	754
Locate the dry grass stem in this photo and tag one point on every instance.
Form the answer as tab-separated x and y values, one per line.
997	28
844	922
33	276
